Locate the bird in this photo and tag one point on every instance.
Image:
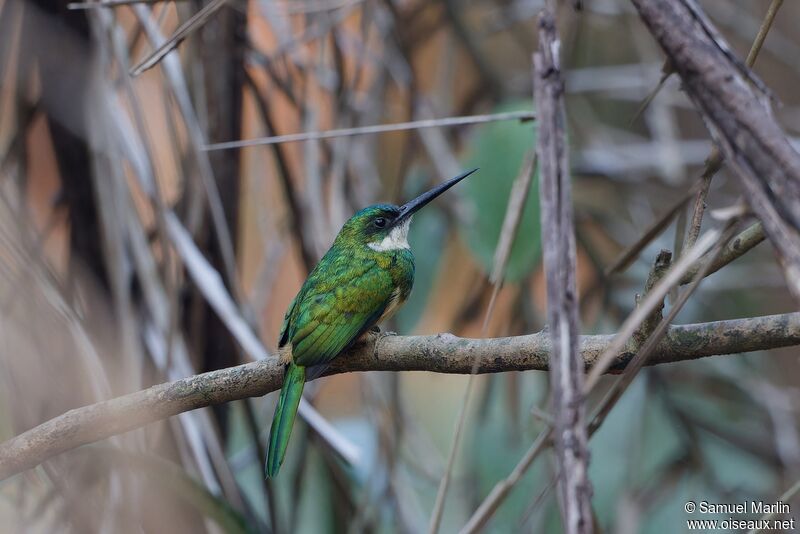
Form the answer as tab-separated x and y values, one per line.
362	280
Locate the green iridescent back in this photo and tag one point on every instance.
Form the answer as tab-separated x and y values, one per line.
349	291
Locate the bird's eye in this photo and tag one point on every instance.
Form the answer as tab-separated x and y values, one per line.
380	222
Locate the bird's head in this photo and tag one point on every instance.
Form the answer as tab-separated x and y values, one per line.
384	227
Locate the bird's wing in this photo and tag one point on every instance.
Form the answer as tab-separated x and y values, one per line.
283	337
331	315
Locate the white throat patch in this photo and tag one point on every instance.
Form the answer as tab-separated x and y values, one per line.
396	240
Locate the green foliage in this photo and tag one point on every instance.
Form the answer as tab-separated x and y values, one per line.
499	150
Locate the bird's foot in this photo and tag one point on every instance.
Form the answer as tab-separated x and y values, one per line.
285	354
377	333
372	336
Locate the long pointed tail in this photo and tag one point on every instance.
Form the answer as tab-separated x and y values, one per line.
282	422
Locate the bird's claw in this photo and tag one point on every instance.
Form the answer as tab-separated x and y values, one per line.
373	335
378	333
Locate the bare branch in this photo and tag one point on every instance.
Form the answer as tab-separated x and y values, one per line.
442	353
714	161
653	299
558	246
109	3
194	23
375	129
734	105
712	165
738	246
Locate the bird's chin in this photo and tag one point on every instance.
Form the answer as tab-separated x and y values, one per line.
399	233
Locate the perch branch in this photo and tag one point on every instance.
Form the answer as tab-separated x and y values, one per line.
558	251
442	353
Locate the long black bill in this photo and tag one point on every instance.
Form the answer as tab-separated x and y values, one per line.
412	206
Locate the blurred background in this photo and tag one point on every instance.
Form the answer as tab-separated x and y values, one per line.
101	172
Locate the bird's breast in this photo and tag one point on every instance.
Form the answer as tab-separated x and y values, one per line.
395	301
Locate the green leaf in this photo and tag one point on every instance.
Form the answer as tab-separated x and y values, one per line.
499	149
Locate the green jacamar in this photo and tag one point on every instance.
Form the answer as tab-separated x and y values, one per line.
363	279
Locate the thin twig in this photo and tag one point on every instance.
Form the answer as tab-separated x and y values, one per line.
769	18
737	247
666	72
376	129
194	23
627	256
508	232
788	495
111	3
631	370
498	494
713	164
714	161
648	305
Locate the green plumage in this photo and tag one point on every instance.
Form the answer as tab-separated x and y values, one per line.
352	288
282	423
364	278
346	294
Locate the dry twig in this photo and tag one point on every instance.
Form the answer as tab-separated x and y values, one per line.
376	129
558	245
194	23
734	105
714	161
